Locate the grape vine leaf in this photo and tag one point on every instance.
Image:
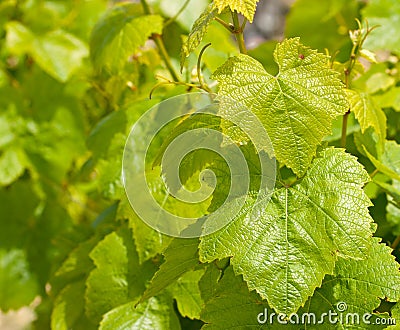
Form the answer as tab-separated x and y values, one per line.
155	313
245	7
284	248
149	242
117	265
367	113
197	32
231	305
187	294
48	50
385	14
18	286
296	107
180	257
387	162
119	33
68	311
360	285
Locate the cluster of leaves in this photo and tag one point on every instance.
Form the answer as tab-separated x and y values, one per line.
75	76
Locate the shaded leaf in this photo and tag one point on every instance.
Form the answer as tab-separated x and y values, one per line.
180	257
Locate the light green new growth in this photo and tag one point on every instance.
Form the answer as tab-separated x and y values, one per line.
245	7
296	107
119	34
197	33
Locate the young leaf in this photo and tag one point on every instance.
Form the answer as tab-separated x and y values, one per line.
284	248
119	33
367	113
296	107
156	313
197	33
245	7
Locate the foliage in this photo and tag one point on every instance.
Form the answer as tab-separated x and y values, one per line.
76	75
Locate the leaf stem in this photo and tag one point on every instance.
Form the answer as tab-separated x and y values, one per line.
160	45
344	129
239	32
199	77
172	19
226	25
395	243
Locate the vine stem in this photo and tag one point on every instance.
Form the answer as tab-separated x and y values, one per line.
161	47
395	243
239	32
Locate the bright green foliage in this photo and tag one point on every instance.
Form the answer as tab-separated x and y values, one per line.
119	33
17	285
48	50
231	305
285	251
180	257
187	294
386	15
68	309
198	32
156	313
245	7
117	265
387	162
68	235
367	113
296	106
359	284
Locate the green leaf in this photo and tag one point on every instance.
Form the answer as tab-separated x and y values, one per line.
296	107
180	257
360	285
149	242
18	285
68	311
245	7
58	53
284	248
119	34
385	14
118	267
387	162
367	113
197	32
156	313
389	99
231	305
12	164
187	294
